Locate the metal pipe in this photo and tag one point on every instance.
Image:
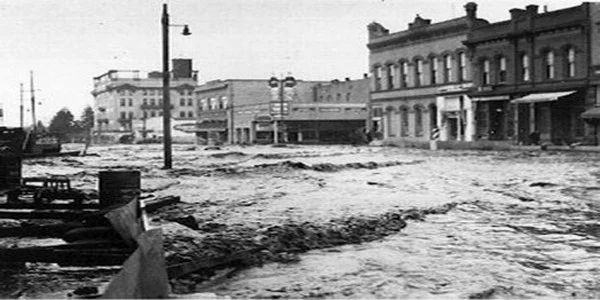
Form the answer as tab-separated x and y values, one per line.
166	94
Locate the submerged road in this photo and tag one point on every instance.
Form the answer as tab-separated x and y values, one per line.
521	224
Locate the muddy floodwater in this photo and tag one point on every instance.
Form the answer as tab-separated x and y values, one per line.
444	224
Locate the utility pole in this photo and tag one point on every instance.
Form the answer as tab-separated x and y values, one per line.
21	107
166	95
32	101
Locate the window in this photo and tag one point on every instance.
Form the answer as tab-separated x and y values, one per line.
182	102
570	68
130	115
160	102
145	101
391	72
549	65
122	92
152	114
403	74
524	67
160	92
182	114
502	69
404	121
145	92
485	72
130	102
145	114
182	93
153	102
122	101
418	121
434	66
462	66
224	102
377	78
348	97
190	102
338	97
190	114
418	72
151	92
160	113
123	115
447	68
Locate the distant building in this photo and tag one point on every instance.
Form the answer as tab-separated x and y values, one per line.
124	96
243	111
535	76
420	79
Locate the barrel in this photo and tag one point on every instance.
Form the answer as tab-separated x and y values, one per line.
117	187
10	171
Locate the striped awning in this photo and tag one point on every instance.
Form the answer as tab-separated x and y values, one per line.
542	97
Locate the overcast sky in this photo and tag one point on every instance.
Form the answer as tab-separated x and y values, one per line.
68	42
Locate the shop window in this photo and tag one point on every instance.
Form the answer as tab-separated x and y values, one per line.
404	121
418	121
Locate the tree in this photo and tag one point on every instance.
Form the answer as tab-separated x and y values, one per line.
62	123
87	118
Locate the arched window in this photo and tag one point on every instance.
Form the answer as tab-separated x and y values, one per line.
502	69
391	76
418	72
418	120
462	67
570	62
433	64
549	65
403	74
447	68
524	67
485	72
403	121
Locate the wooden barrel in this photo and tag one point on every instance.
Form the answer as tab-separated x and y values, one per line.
117	187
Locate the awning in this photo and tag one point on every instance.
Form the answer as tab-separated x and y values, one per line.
490	98
542	97
592	113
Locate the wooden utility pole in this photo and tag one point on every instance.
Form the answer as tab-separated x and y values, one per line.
32	101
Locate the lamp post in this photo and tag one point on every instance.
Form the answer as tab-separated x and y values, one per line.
166	81
282	94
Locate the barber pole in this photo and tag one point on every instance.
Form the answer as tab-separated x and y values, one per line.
435	136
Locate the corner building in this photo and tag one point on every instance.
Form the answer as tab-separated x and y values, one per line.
532	76
420	79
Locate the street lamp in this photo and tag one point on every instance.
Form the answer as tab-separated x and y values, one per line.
166	77
282	94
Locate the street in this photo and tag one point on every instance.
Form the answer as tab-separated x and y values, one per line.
407	223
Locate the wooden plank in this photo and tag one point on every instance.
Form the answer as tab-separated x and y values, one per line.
21	205
143	275
177	270
66	257
152	205
70	215
126	221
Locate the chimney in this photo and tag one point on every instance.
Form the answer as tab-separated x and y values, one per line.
532	9
347	78
471	9
182	68
516	13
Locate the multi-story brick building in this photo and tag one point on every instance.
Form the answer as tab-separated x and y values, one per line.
420	78
533	77
240	111
123	97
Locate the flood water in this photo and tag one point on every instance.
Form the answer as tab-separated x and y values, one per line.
525	224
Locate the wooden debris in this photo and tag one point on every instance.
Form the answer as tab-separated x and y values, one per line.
151	205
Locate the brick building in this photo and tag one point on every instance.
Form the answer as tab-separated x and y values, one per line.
240	111
532	75
420	78
125	97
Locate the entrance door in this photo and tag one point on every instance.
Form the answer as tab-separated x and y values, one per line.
523	126
496	120
453	129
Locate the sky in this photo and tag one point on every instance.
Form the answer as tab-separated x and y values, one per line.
65	43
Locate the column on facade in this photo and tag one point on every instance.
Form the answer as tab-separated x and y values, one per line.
470	119
442	126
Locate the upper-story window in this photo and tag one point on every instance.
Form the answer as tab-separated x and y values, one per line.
145	92
130	115
549	65
130	102
224	102
485	72
152	102
145	101
190	114
391	76
403	74
502	69
434	68
122	102
377	76
462	66
418	72
348	97
447	68
182	102
338	97
525	67
570	62
190	102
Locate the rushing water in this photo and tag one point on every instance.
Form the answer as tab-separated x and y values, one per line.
526	224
